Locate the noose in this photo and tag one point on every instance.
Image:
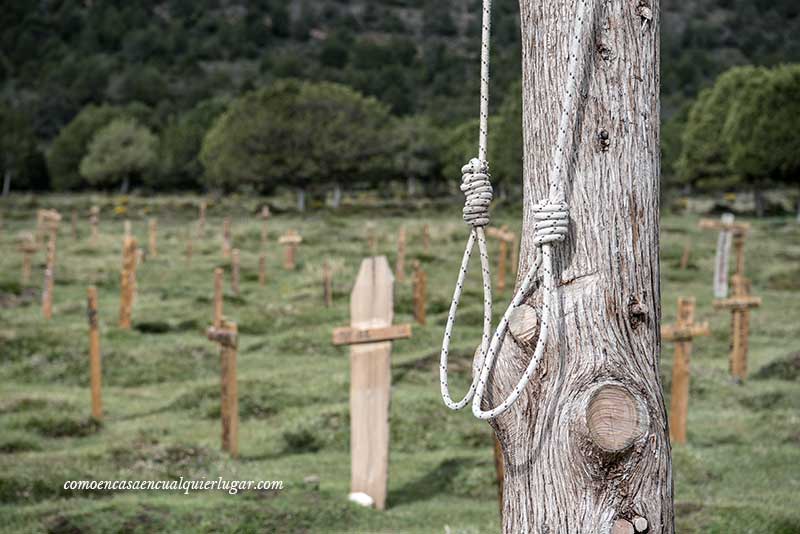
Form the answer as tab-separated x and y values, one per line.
551	226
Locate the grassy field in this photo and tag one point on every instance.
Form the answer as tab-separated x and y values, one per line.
740	472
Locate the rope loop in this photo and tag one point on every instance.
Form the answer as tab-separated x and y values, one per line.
552	222
477	187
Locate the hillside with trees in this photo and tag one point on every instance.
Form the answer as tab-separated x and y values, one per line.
69	67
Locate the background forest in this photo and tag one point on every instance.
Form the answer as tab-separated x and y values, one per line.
119	94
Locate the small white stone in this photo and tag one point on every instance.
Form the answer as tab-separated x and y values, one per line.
361	499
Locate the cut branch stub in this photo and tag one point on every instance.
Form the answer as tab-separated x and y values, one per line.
524	324
615	418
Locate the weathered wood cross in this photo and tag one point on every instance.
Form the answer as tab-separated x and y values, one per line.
290	240
682	333
506	238
740	305
370	334
727	229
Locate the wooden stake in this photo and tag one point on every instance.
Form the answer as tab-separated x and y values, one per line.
420	293
740	305
499	469
217	318
682	333
235	271
94	221
226	238
505	237
49	274
153	243
127	281
201	223
95	373
327	284
371	308
262	269
264	218
426	238
728	229
290	240
227	335
28	247
400	266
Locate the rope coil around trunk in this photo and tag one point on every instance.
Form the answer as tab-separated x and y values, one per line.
551	226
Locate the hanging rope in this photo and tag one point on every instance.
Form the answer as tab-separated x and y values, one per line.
551	226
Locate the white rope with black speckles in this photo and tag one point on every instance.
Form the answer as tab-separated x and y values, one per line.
551	226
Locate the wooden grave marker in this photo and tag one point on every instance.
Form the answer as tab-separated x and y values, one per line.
506	238
152	226
49	277
28	248
420	289
127	285
740	305
227	336
262	269
235	267
327	284
682	333
730	232
95	372
265	215
290	240
400	266
370	334
226	238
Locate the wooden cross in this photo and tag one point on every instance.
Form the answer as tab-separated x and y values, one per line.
505	237
235	263
264	218
226	238
46	223
95	373
153	238
682	333
290	240
727	228
400	266
262	269
740	305
28	248
127	284
49	275
370	334
94	221
227	336
327	284
420	288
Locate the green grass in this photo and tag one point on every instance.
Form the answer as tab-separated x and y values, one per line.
740	472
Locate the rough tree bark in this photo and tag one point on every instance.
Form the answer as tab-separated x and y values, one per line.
586	448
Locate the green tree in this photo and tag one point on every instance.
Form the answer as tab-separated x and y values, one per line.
704	160
297	133
505	142
180	146
417	151
17	149
71	144
120	153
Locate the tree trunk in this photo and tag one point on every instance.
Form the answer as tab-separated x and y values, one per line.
586	446
7	183
126	185
411	186
301	199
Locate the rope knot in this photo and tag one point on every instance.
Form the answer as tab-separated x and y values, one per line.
477	188
552	222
